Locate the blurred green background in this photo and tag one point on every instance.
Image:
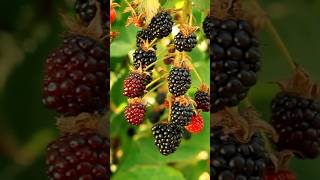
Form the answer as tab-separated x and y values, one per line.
29	30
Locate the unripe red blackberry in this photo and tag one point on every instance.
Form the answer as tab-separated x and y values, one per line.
202	98
135	111
161	24
185	43
82	155
86	9
196	124
181	112
167	137
235	61
297	121
179	80
144	35
134	85
76	76
144	57
230	159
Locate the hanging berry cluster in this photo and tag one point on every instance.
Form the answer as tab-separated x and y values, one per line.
184	113
76	85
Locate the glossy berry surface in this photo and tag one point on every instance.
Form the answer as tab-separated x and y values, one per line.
181	114
76	77
134	85
144	35
196	124
179	81
167	137
297	122
134	113
144	58
230	159
86	9
202	100
183	43
82	155
161	24
235	62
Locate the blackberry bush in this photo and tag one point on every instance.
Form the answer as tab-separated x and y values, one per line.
76	76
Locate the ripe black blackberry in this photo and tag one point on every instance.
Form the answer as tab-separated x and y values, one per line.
144	57
202	98
82	155
181	112
297	121
230	159
179	80
76	77
208	26
161	24
235	61
86	9
144	35
167	137
185	43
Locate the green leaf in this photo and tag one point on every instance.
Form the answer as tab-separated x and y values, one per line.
150	172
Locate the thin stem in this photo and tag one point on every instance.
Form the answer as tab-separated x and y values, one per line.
154	88
196	72
276	37
156	80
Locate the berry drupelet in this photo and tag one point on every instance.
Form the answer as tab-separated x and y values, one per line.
161	24
233	160
167	137
76	78
235	62
82	155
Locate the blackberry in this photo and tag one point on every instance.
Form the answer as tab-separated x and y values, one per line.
235	61
202	100
86	9
297	121
179	81
161	24
185	43
181	114
135	112
144	35
161	97
76	77
208	25
82	155
134	85
167	137
144	58
230	159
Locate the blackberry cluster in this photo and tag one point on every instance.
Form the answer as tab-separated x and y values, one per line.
232	160
297	121
76	77
179	81
235	61
144	58
167	137
144	35
202	100
183	43
180	114
79	156
134	85
161	24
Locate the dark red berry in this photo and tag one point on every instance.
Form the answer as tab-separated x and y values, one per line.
76	77
235	61
134	85
202	100
144	58
183	43
181	113
83	155
297	122
135	112
161	24
279	175
167	137
231	159
179	81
